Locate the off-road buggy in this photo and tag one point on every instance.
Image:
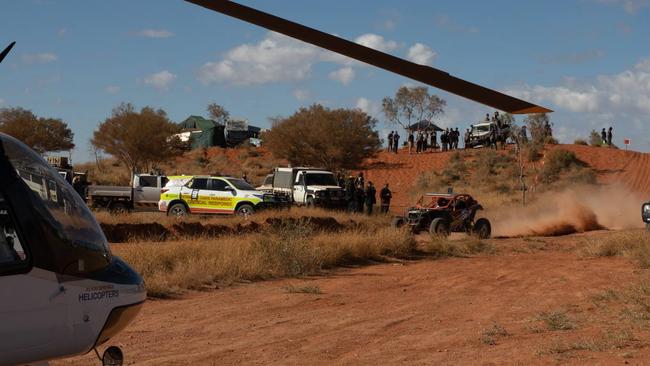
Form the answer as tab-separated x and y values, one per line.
441	214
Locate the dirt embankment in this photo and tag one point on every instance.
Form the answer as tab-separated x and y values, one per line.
576	210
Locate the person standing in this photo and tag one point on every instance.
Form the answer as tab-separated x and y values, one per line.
434	140
609	136
603	136
395	142
390	141
493	136
418	143
360	181
385	196
523	135
360	198
371	197
411	141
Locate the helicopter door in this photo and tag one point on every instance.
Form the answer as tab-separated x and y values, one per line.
33	310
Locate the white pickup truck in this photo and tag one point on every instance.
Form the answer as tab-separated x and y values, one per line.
143	194
308	187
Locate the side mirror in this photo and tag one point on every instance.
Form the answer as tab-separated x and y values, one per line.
231	190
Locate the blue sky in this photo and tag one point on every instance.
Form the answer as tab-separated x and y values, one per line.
589	60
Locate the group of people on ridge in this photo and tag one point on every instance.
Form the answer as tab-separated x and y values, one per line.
607	136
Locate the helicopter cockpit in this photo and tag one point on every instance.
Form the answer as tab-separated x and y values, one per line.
63	291
60	225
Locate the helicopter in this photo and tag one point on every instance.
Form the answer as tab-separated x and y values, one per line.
63	292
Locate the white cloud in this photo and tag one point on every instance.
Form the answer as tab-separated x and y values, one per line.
376	42
627	92
155	33
369	107
630	6
301	94
160	80
41	58
421	54
343	75
112	89
279	58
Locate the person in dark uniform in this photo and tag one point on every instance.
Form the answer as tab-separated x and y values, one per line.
609	137
411	141
603	136
493	136
395	142
385	196
360	198
371	197
350	194
390	141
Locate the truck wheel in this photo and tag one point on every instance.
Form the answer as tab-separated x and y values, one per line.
118	208
482	228
439	227
310	202
398	222
245	210
177	210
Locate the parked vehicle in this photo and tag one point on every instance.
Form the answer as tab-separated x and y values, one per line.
308	187
441	214
215	195
143	194
480	134
267	185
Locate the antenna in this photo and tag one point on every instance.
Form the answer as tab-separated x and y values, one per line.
6	51
437	78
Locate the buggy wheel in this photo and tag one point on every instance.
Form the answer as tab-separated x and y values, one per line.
397	222
482	228
439	227
177	210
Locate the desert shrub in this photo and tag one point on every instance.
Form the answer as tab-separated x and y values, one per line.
580	142
631	244
595	139
557	320
557	162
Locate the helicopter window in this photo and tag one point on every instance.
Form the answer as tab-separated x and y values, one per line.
11	249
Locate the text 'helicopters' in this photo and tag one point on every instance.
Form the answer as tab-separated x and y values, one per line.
62	292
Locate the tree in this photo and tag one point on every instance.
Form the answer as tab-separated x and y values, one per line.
41	134
218	113
137	139
319	136
538	131
412	104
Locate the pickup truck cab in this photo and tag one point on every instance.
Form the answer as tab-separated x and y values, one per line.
309	187
144	193
213	195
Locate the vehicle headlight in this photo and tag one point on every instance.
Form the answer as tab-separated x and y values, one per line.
646	208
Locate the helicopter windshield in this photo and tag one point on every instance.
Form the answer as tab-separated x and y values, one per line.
63	211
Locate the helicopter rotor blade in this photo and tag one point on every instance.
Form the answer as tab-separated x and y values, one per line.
6	51
425	74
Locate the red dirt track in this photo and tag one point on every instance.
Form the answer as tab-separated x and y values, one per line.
424	312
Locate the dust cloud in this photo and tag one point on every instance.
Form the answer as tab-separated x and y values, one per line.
575	210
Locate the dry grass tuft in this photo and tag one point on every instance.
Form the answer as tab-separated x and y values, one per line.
631	244
557	320
173	267
441	246
490	334
305	289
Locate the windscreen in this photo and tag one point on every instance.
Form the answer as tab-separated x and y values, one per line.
482	128
61	208
320	179
241	184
